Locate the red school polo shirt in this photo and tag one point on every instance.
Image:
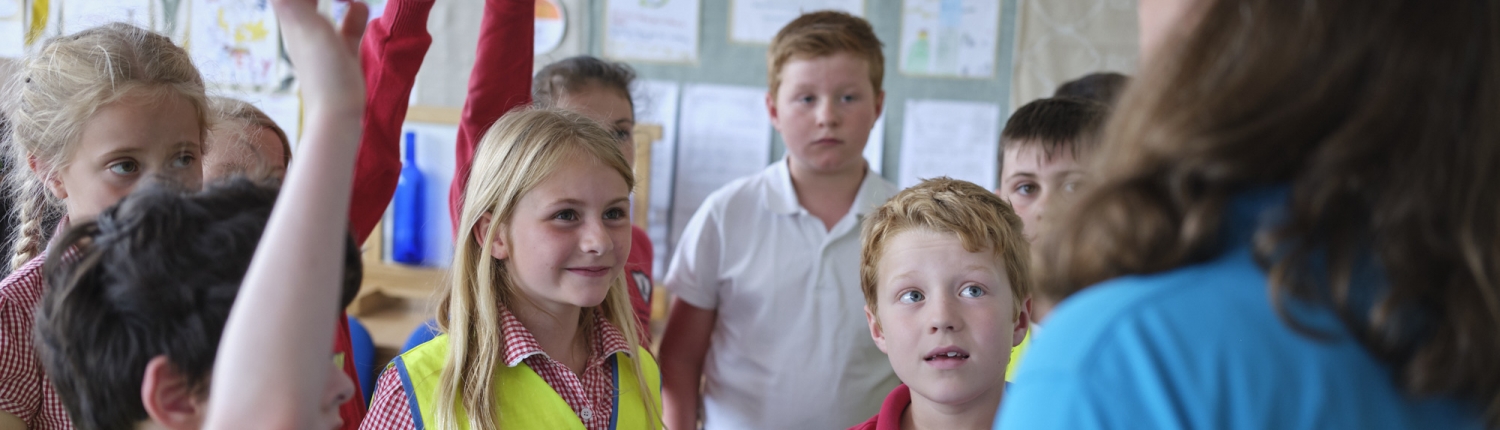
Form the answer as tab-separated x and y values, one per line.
889	417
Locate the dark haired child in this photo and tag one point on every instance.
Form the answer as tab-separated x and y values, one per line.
129	327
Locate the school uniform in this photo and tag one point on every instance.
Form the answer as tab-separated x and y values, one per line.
790	347
532	389
25	391
1203	346
891	410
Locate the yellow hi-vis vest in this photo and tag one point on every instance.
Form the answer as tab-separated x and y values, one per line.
525	400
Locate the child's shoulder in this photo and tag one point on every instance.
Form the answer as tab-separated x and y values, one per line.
25	280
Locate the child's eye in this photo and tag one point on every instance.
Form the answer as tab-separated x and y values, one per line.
806	99
124	167
183	160
615	213
623	135
971	291
1027	189
910	297
848	99
1071	186
566	215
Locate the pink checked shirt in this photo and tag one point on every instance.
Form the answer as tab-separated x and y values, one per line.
591	394
24	391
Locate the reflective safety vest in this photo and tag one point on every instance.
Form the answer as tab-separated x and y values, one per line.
525	400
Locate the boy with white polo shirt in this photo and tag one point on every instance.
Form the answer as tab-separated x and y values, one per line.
944	270
766	273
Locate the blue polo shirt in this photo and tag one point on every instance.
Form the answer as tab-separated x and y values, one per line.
1202	347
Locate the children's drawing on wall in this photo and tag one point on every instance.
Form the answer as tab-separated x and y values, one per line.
757	21
234	42
664	31
949	37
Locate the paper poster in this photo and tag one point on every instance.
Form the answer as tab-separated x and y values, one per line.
436	145
652	30
960	140
949	37
82	15
376	7
757	21
656	104
875	146
235	42
12	28
725	134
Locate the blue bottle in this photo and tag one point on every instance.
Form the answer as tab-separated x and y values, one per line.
407	219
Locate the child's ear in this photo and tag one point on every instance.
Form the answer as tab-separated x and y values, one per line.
879	103
49	177
875	332
1023	323
771	109
497	248
170	400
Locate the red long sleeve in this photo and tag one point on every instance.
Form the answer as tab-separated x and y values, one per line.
390	53
500	82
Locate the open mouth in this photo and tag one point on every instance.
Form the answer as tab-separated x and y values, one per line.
948	353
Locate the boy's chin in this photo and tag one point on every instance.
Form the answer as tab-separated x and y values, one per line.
954	390
828	162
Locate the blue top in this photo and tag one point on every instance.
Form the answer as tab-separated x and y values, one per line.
1202	347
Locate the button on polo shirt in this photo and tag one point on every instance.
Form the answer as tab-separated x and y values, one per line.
790	348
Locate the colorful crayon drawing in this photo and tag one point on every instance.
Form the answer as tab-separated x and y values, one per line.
235	42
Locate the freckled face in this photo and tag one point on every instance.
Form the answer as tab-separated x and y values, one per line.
944	316
139	136
824	109
571	235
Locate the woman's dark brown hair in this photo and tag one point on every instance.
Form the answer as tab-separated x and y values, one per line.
1382	118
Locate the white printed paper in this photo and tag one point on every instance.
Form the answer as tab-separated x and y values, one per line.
757	21
875	146
235	42
725	134
82	15
656	104
12	29
652	30
960	140
949	37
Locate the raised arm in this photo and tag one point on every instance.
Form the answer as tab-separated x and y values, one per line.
390	54
501	81
273	359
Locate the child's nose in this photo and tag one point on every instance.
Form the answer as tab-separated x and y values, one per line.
339	388
595	238
828	114
944	316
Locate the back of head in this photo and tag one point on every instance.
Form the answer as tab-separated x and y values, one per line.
1054	124
1380	119
1102	87
824	33
236	122
515	155
155	275
980	219
60	86
573	73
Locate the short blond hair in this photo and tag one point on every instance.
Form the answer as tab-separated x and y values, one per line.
979	218
821	34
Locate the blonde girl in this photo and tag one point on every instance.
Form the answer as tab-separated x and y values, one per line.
93	115
539	331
